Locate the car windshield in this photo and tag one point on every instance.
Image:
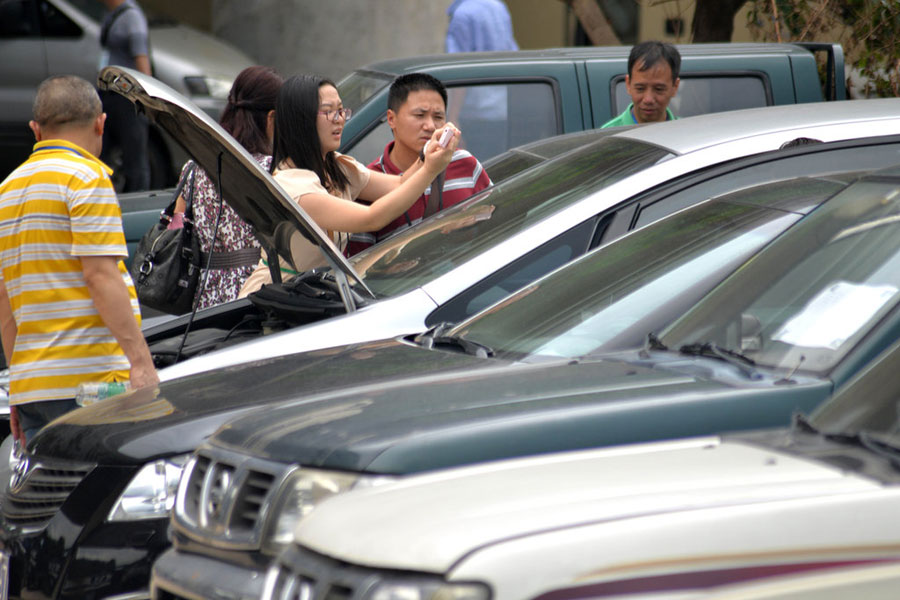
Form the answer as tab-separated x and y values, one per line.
356	88
516	160
611	298
812	295
869	402
456	235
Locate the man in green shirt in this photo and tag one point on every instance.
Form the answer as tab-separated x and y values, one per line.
652	81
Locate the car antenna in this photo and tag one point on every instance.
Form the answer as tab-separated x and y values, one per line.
789	378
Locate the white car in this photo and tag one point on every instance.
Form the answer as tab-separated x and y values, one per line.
476	253
678	519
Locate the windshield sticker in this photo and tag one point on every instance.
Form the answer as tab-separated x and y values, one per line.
835	314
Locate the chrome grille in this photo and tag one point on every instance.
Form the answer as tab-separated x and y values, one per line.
37	489
299	574
224	496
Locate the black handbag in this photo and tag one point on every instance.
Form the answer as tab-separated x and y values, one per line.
166	264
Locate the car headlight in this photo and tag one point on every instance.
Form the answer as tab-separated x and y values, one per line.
206	85
428	590
151	493
302	492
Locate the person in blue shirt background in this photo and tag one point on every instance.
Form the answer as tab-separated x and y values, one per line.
652	81
480	111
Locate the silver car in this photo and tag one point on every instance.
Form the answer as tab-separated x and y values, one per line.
474	254
40	38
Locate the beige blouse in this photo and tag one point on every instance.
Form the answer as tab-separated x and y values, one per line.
297	182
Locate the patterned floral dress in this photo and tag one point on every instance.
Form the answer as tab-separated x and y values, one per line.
233	234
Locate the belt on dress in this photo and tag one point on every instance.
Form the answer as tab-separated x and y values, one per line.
244	257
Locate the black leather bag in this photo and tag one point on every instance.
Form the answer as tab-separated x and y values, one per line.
166	264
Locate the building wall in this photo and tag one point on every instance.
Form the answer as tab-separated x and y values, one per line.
331	38
539	23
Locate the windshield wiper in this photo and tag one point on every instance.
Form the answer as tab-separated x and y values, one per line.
437	336
743	363
651	342
866	440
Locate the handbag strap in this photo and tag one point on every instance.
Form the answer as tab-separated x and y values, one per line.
188	199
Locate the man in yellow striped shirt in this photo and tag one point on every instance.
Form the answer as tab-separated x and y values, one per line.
68	310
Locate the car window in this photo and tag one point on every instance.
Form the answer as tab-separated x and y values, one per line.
805	302
611	298
356	88
701	95
56	24
849	159
460	233
18	19
492	118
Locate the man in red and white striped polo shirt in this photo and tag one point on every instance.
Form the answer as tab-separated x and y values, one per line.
417	106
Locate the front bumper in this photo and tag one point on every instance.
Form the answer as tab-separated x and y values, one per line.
111	561
77	554
183	576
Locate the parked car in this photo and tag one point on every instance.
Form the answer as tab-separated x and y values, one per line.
40	38
130	452
703	518
470	255
562	90
795	322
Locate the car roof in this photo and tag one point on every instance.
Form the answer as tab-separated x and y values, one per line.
693	133
414	63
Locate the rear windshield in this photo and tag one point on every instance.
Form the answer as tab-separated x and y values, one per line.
422	253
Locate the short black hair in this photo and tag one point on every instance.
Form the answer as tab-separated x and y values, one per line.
413	82
651	52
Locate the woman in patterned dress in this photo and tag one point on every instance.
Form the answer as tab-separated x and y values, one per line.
249	118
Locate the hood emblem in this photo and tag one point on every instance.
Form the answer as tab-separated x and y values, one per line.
214	495
19	473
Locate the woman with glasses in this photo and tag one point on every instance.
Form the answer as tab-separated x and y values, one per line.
309	121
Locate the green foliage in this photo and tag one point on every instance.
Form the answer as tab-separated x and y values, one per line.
869	31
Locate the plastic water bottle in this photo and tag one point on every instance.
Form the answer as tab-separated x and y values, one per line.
88	393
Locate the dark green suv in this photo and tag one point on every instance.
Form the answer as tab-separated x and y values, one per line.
547	92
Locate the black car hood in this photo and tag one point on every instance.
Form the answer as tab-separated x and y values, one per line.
178	415
278	222
392	407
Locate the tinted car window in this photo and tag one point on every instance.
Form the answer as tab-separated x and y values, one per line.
806	302
603	300
842	163
18	19
492	118
701	95
56	24
462	232
357	87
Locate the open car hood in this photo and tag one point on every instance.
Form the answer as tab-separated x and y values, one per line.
277	221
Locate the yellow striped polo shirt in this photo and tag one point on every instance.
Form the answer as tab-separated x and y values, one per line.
57	206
